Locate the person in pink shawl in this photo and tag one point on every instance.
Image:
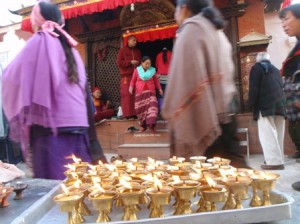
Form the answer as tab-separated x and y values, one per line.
44	93
201	89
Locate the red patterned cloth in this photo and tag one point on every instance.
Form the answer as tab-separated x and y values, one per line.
84	8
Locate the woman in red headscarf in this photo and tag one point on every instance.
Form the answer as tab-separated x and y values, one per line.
102	108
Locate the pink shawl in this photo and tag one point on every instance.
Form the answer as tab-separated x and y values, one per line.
36	89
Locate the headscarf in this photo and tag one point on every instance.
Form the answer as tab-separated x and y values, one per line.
38	20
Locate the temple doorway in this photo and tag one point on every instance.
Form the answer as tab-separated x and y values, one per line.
152	48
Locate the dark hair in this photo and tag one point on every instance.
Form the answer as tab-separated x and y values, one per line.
51	12
165	55
295	9
208	10
145	58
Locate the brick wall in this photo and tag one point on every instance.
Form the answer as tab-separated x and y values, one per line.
253	19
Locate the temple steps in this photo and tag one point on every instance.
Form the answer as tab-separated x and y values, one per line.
143	151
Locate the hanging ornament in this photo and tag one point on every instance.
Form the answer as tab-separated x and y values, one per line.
132	7
101	54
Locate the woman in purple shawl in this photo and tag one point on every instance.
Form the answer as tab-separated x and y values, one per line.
44	96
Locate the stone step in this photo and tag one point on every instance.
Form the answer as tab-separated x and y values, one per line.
110	133
159	151
138	137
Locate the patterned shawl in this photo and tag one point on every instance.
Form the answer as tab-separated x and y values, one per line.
200	86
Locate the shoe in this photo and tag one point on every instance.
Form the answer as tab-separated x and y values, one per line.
272	167
132	129
295	156
296	186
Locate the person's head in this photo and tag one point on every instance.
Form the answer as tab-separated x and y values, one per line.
165	55
44	11
97	93
132	41
290	17
262	56
188	8
146	62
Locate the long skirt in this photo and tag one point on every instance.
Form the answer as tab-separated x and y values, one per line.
127	99
51	153
146	108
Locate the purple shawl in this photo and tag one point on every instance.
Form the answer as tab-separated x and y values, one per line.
36	89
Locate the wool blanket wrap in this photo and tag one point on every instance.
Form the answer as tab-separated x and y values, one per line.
200	86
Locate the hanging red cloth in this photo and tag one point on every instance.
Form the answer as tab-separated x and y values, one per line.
286	3
152	34
84	8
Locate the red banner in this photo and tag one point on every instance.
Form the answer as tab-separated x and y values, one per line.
83	8
152	34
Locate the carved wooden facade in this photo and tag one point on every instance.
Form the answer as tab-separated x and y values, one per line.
147	14
102	50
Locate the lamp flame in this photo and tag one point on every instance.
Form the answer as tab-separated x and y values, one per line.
77	183
147	177
71	167
99	188
157	183
96	180
75	159
210	181
110	167
65	189
74	175
151	161
92	167
176	179
125	183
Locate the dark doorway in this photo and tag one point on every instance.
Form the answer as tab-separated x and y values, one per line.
152	48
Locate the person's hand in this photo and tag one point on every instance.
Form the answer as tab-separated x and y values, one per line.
297	105
161	92
107	103
130	90
134	62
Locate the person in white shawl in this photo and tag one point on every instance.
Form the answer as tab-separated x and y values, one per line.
201	80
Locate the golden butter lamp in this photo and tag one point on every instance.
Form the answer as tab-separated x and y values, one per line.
6	191
185	191
69	202
103	201
239	189
213	193
160	195
265	182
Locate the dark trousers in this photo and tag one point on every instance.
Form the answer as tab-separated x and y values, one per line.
227	146
294	131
